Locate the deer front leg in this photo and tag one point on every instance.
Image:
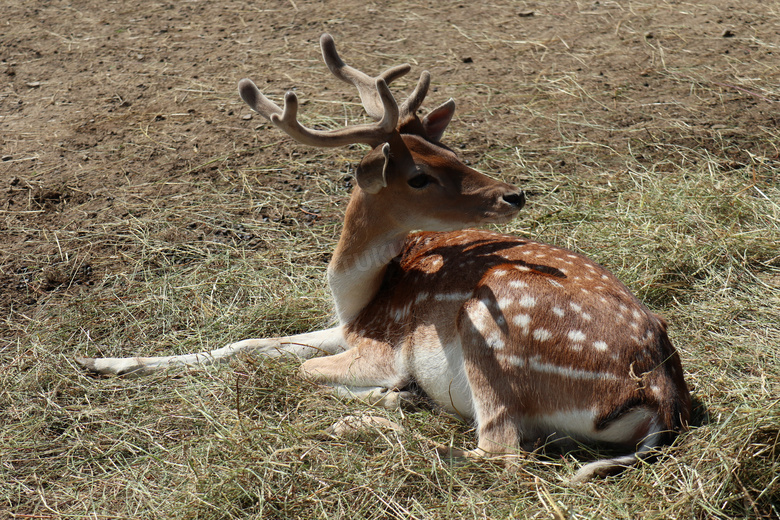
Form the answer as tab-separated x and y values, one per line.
307	345
484	334
368	374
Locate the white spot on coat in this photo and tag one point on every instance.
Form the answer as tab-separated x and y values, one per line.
523	321
494	341
542	334
517	284
513	360
535	364
452	297
527	301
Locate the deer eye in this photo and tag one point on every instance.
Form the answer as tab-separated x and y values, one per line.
420	181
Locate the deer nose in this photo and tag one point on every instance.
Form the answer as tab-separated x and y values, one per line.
516	199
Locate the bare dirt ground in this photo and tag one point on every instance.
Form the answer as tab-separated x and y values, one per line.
144	209
104	104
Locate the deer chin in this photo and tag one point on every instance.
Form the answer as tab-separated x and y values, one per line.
492	217
484	218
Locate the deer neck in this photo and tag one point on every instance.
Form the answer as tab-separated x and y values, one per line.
369	241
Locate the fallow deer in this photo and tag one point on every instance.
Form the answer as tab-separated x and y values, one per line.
530	341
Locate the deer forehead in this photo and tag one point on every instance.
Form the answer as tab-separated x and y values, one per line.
434	158
434	153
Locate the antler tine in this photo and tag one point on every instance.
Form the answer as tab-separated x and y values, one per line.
417	96
287	119
365	84
256	100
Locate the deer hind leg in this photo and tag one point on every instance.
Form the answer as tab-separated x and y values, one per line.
366	373
308	345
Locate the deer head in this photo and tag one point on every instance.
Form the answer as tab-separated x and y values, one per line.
409	177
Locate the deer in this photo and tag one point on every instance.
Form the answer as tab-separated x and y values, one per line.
530	342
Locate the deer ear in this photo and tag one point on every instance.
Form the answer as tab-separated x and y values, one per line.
371	174
436	122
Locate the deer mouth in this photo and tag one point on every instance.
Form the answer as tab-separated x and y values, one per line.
496	217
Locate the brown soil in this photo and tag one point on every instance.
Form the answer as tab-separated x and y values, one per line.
109	110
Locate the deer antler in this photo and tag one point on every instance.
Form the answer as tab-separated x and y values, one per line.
372	134
366	85
374	93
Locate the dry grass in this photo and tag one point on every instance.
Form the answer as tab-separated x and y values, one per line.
242	441
193	262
